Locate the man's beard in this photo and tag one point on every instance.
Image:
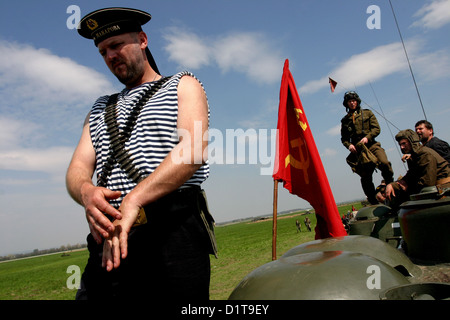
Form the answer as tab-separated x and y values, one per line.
132	73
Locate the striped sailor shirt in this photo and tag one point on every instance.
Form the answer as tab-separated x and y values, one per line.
153	137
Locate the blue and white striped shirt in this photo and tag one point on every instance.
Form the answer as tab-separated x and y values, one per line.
153	137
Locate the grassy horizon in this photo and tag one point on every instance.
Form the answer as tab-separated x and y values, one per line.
243	247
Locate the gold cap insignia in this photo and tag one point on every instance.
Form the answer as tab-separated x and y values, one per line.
92	24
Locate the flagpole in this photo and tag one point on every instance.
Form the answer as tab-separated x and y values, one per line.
274	223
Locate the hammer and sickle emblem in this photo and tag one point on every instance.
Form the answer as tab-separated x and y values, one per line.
303	163
302	124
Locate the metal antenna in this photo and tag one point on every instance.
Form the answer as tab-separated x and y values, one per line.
407	58
387	123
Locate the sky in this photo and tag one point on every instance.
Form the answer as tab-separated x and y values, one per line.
50	77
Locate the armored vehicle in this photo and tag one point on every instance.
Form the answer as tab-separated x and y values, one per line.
389	254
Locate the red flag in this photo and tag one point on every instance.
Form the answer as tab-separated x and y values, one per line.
333	84
297	161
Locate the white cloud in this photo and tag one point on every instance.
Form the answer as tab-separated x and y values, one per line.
329	152
249	53
433	15
361	68
28	73
49	160
41	94
335	131
382	61
16	153
14	132
432	66
246	52
187	48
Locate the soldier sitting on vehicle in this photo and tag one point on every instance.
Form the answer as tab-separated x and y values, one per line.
425	168
426	134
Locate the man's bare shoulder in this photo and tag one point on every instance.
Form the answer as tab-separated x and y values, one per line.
189	86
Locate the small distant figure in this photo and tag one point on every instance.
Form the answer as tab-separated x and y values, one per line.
298	225
345	222
308	223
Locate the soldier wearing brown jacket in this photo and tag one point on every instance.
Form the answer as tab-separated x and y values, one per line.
359	128
425	168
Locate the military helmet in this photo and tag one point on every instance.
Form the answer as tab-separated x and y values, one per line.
351	95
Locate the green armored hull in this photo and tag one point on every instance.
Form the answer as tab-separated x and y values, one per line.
425	226
377	221
369	263
326	269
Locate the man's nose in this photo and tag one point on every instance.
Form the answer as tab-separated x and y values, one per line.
110	54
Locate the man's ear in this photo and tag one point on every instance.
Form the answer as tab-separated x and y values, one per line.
143	40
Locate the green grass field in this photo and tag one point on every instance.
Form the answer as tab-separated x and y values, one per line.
242	248
39	278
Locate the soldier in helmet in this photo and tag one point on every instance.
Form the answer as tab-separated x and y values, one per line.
359	128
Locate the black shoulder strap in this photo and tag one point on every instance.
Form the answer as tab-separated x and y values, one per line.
117	151
109	165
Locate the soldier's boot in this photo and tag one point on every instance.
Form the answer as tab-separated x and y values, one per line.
387	173
369	190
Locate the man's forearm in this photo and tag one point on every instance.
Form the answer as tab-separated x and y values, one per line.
76	180
168	177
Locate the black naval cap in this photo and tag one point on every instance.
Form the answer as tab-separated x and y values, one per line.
108	22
